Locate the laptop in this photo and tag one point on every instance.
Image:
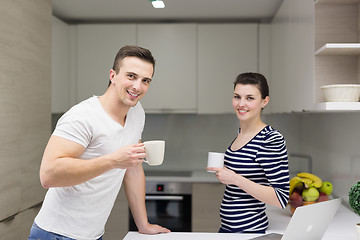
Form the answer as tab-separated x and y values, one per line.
308	222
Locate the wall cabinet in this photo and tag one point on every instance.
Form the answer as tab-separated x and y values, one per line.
61	89
196	64
96	48
224	51
313	44
174	84
206	200
292	61
336	49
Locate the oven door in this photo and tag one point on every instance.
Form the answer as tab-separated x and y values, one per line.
170	211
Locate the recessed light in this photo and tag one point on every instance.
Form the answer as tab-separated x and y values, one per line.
158	4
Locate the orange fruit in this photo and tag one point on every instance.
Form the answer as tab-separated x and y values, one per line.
292	209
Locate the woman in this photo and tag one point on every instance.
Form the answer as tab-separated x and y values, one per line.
256	168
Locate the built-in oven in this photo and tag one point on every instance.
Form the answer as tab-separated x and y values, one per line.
168	204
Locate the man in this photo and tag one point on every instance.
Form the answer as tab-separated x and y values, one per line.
94	148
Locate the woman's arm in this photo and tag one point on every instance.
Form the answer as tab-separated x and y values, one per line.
263	193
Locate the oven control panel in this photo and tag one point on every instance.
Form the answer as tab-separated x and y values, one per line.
160	187
168	188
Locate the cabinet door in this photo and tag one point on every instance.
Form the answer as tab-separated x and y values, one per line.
60	71
173	88
117	225
206	200
97	45
224	51
292	61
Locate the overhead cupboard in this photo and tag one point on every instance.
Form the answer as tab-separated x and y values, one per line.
174	85
196	64
337	48
313	44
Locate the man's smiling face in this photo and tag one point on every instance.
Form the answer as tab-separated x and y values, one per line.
132	81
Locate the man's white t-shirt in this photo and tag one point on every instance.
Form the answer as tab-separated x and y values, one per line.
81	211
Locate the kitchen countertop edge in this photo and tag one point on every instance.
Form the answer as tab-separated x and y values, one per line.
196	176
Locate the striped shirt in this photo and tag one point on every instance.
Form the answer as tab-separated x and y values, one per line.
262	160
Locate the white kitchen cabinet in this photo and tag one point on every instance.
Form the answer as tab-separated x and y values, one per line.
336	49
174	84
96	48
60	70
196	64
292	61
206	200
313	44
224	51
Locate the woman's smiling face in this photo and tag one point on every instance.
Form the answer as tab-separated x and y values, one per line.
247	101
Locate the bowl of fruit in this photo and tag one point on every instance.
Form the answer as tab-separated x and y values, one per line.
307	188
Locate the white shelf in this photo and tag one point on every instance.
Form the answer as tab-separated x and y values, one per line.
339	49
337	1
337	106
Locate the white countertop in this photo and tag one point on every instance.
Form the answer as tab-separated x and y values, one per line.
196	176
190	236
342	227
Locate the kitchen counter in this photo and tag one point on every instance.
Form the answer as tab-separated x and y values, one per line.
181	176
342	227
190	236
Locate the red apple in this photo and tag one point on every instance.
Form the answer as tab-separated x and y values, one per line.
323	197
295	200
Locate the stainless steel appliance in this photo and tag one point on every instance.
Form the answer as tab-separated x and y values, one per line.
168	203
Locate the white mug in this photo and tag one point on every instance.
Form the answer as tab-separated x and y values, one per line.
154	152
215	159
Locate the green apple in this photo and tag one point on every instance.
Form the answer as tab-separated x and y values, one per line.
310	194
326	188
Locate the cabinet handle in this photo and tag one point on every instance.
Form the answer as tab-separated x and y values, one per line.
178	198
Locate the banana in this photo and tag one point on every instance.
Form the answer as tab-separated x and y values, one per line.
298	182
293	183
317	182
307	182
